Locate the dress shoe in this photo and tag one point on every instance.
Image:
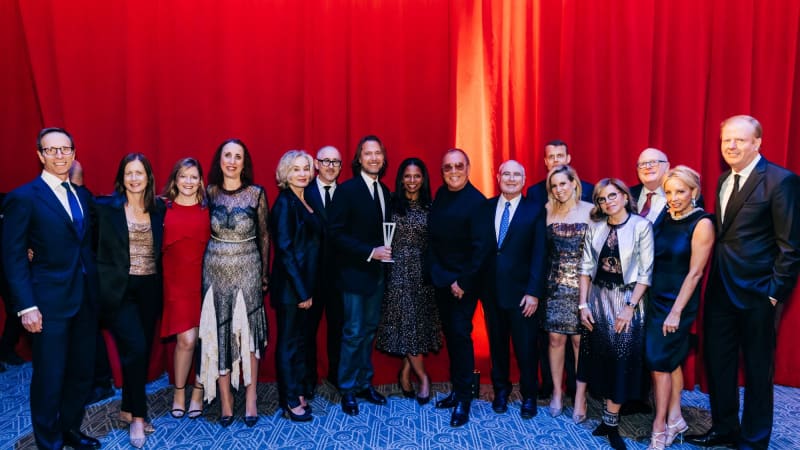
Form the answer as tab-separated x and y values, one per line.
615	440
79	441
250	421
371	395
137	442
555	411
226	421
460	414
712	439
424	400
349	404
447	402
528	410
500	402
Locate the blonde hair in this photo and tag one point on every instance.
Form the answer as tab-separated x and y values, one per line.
285	165
571	174
687	175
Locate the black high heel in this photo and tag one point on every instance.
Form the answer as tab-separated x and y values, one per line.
226	421
406	394
424	400
305	417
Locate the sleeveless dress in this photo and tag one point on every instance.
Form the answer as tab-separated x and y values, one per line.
232	320
186	233
673	252
409	317
565	247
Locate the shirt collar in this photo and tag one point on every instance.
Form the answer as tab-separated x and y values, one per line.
51	180
749	168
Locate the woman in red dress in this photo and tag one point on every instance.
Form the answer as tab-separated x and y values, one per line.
186	233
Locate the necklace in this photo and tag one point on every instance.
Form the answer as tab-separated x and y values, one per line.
619	224
679	215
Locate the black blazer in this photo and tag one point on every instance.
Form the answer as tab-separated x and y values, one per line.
537	194
296	235
113	248
517	267
455	242
758	241
636	191
355	229
53	281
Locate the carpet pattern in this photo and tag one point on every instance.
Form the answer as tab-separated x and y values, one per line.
401	424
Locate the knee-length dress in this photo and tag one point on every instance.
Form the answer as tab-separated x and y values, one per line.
673	253
409	317
186	233
565	247
233	323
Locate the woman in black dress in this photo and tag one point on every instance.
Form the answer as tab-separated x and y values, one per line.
682	249
410	320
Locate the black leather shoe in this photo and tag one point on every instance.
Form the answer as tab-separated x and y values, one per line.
349	404
460	414
528	409
500	402
712	439
79	441
250	421
226	421
371	395
447	402
615	440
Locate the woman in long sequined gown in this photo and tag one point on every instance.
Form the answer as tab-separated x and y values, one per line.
567	220
683	246
409	323
233	325
616	271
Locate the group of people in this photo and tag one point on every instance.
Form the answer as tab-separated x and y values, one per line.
615	272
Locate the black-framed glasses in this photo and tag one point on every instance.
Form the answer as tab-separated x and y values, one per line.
610	198
330	162
51	151
649	164
454	167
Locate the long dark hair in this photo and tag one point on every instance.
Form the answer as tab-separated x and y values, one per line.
215	176
356	164
171	189
400	202
149	192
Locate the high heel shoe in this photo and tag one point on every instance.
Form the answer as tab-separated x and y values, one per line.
177	413
580	418
675	430
226	421
137	442
555	411
424	400
195	413
305	417
657	440
250	421
406	394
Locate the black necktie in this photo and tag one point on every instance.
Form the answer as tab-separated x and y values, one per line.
734	192
327	197
74	207
377	199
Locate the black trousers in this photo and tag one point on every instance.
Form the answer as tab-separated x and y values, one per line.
63	358
290	353
502	324
456	316
133	325
727	331
329	301
12	330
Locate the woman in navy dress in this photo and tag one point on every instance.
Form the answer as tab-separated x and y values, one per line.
682	248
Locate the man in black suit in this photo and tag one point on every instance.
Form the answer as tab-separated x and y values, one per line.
556	153
52	292
651	202
327	297
515	249
454	257
356	218
756	263
12	328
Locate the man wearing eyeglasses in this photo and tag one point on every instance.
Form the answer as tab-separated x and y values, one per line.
327	297
52	292
651	202
513	229
454	255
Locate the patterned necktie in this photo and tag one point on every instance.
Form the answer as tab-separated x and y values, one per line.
327	197
646	207
504	220
377	199
74	207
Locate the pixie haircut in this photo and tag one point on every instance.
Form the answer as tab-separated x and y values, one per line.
171	189
597	213
570	172
285	166
687	175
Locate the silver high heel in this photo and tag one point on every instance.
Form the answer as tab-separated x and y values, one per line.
676	430
657	441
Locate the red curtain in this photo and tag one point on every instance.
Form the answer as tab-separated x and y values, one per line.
497	78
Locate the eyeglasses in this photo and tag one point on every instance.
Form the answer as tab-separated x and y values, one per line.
649	164
51	151
330	162
457	167
610	197
511	175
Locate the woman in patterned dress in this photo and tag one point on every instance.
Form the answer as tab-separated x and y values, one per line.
409	323
567	220
233	325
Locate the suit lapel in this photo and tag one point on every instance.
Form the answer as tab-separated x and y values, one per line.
718	216
313	197
49	199
754	179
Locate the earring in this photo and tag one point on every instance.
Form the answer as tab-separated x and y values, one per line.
694	202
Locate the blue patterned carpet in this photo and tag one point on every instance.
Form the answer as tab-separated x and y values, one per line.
402	424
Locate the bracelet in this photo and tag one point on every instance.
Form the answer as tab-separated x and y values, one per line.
631	304
582	306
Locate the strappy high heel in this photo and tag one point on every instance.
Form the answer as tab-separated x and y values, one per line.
177	413
657	440
676	430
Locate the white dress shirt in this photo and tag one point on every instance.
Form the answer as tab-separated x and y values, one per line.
498	212
657	203
55	184
321	187
727	185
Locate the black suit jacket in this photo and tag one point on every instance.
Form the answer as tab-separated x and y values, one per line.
326	277
296	235
53	281
113	248
517	267
636	192
757	255
355	229
537	194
